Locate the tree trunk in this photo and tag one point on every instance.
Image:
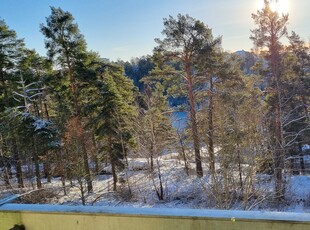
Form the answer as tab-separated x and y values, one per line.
73	85
195	136
113	168
47	170
161	188
277	132
211	132
63	182
114	175
77	113
47	165
95	157
278	155
6	176
36	164
5	91
18	163
152	162
183	153
60	166
305	106
4	163
81	187
124	150
86	165
301	159
240	171
46	110
153	146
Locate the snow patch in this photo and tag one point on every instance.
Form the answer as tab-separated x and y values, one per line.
299	187
40	124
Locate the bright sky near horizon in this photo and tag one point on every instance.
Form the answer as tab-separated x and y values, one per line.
121	29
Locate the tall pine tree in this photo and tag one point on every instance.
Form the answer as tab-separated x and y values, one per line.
67	47
271	27
185	39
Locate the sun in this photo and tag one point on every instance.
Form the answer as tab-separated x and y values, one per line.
280	6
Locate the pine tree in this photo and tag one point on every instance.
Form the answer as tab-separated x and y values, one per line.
211	70
271	27
10	52
296	83
113	115
186	38
67	47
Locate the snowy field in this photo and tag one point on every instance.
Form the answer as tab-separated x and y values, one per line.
180	190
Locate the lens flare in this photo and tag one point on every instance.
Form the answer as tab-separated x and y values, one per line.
280	6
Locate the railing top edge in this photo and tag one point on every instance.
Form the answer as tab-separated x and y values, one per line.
168	212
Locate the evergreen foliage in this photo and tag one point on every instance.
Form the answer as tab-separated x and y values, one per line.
75	115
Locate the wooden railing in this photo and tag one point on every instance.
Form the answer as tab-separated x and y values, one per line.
59	217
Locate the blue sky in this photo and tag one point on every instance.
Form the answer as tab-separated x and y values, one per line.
127	28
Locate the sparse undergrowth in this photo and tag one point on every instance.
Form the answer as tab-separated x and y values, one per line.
180	191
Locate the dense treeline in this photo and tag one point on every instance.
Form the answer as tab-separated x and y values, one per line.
72	113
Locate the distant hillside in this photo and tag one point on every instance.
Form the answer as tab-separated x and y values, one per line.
248	60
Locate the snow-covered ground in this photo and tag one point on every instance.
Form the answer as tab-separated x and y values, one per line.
180	190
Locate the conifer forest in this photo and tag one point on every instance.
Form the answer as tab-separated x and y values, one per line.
191	125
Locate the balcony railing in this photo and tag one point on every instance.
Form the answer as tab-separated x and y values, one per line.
60	217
